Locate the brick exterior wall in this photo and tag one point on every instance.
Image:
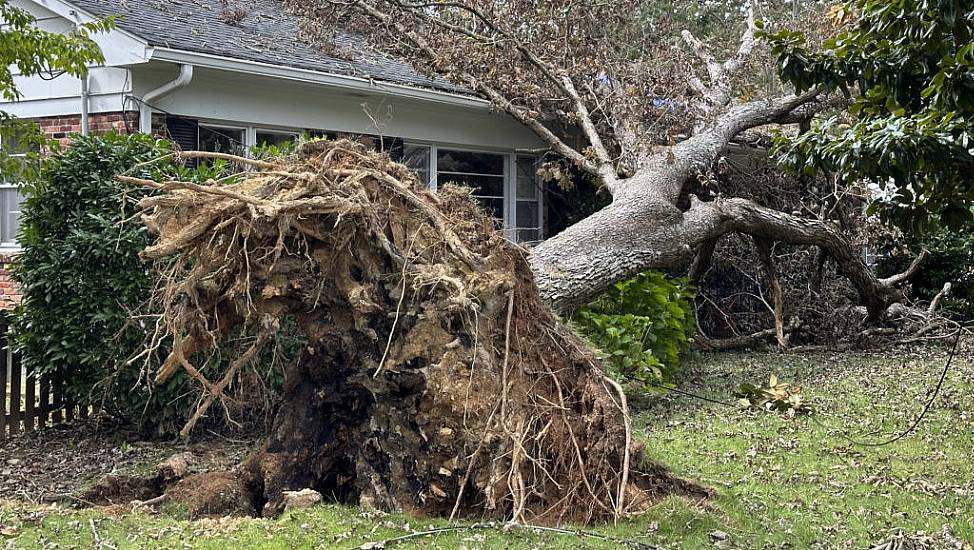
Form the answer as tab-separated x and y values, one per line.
9	289
61	128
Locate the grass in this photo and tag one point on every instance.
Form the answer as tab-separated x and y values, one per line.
779	482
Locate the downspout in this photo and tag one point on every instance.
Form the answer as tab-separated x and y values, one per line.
145	109
84	104
85	95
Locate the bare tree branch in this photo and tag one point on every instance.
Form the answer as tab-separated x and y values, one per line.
910	271
492	94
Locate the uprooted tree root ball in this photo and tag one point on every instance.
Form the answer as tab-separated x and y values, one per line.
436	382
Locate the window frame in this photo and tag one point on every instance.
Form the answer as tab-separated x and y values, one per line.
249	130
246	132
538	198
506	177
509	223
7	247
252	132
13	247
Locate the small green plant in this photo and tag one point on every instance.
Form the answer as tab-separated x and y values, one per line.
776	396
640	326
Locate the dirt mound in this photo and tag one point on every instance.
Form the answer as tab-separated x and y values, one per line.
436	381
121	489
213	494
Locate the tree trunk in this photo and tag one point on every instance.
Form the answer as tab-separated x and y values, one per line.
642	231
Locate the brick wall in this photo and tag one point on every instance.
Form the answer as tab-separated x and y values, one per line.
9	289
61	127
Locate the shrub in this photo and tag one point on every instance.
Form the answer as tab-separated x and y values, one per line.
640	326
79	270
86	310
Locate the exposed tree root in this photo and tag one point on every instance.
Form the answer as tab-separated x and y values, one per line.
436	381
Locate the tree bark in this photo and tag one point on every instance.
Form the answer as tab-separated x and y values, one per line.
643	233
766	253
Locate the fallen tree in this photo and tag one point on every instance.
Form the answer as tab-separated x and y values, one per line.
600	86
436	381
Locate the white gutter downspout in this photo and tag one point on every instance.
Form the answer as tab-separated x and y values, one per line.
84	104
145	110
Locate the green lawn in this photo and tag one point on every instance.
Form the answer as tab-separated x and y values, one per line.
779	482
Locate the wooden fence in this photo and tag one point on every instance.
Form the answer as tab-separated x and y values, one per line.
29	403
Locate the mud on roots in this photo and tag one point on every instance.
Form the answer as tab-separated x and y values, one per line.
436	382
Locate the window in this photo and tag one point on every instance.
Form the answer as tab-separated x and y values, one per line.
505	184
10	197
276	138
485	173
417	157
218	139
10	201
527	201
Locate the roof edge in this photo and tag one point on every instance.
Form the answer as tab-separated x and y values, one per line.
347	82
71	12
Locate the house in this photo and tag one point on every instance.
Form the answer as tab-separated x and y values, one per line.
224	76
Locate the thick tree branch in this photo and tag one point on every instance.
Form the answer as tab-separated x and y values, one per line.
748	217
910	271
668	170
606	169
702	260
766	254
629	237
748	41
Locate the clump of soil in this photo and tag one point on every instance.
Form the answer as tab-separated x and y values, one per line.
436	382
213	494
121	489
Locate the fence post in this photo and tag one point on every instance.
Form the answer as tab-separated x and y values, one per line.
30	402
15	379
45	405
56	414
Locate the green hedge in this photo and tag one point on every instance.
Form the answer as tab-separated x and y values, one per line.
86	309
641	326
79	270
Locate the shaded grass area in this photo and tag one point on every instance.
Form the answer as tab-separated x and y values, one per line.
779	482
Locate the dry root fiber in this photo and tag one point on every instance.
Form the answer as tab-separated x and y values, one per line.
436	381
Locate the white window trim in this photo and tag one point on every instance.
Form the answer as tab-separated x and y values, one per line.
510	181
539	196
12	247
508	176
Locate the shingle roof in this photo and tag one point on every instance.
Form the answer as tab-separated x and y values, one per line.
267	34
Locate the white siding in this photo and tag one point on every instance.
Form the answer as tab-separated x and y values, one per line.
249	99
62	94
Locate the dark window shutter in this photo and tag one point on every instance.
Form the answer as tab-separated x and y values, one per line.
185	132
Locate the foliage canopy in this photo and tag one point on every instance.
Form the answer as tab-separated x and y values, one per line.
909	67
